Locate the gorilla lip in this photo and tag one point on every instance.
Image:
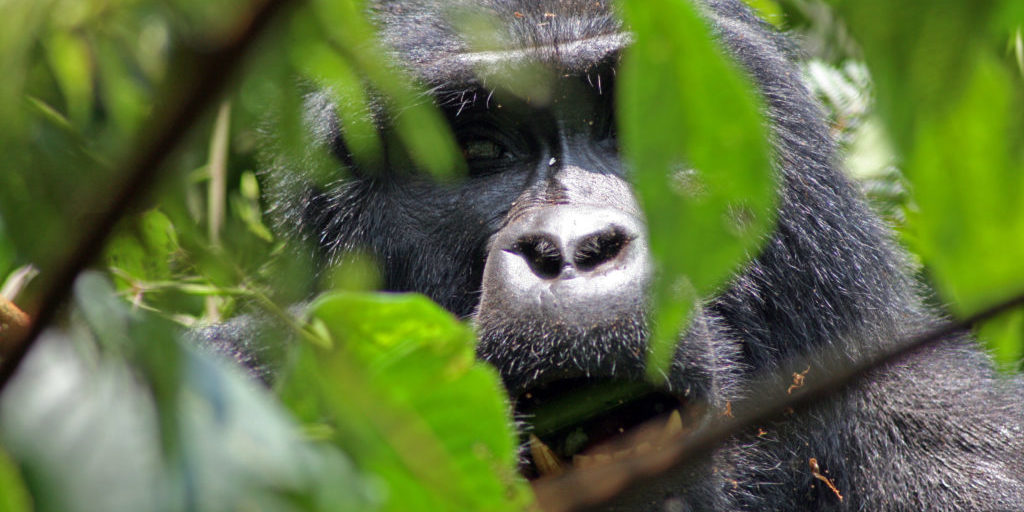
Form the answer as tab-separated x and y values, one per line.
579	422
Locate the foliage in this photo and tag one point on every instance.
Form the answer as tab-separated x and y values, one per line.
954	112
383	406
948	83
411	376
701	160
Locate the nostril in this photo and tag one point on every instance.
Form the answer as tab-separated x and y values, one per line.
599	248
541	254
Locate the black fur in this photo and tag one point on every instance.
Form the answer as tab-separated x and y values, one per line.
941	431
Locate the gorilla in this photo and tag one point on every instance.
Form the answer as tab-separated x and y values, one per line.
544	248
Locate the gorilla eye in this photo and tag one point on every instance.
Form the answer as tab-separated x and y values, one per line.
490	141
484	150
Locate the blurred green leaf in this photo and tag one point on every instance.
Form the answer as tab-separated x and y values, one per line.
919	53
701	160
246	206
769	10
1009	17
18	29
71	62
13	494
166	428
968	176
422	130
955	110
317	58
1003	335
7	254
126	98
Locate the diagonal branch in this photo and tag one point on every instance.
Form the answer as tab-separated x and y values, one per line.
582	488
195	94
13	323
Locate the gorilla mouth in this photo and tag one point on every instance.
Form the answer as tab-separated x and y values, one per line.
576	423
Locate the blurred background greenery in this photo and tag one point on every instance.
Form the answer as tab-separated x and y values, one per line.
119	413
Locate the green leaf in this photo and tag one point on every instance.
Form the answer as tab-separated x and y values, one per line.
413	406
146	251
693	132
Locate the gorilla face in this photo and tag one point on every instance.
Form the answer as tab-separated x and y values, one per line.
543	244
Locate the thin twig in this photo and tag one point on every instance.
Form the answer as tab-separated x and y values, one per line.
194	96
216	196
582	488
218	166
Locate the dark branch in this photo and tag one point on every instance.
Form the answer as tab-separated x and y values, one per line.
582	488
195	94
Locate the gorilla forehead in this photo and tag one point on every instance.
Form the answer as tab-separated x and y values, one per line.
568	35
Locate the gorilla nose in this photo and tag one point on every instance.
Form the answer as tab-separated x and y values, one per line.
569	259
568	244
